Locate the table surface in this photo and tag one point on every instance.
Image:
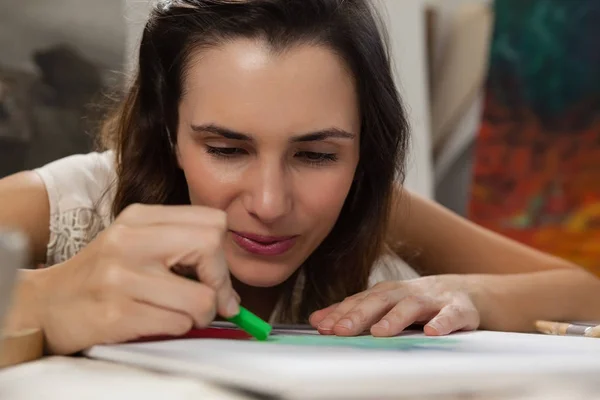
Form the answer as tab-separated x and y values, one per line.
66	378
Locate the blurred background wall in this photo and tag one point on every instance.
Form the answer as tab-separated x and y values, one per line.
59	57
58	61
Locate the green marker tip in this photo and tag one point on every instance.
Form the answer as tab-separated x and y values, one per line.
252	324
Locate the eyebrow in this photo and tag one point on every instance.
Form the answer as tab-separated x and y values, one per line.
319	135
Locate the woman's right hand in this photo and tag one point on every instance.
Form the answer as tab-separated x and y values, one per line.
120	287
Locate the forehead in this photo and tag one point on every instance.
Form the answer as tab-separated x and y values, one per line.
245	85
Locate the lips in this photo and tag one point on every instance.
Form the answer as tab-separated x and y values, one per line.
263	245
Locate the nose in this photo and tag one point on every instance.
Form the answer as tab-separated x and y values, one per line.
269	194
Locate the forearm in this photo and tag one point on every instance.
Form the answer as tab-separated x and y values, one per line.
514	302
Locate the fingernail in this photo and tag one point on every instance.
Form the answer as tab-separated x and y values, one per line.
345	323
233	308
436	326
326	325
383	324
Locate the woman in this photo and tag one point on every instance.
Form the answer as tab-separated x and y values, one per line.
258	150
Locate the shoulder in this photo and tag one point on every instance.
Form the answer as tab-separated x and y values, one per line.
79	177
80	193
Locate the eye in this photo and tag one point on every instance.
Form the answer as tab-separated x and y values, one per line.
315	158
225	152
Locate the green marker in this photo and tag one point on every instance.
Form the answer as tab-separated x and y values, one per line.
252	324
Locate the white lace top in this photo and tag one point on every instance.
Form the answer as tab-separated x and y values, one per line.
81	189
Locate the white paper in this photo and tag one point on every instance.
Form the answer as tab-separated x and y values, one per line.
483	360
75	378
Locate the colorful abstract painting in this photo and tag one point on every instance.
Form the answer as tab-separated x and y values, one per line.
537	154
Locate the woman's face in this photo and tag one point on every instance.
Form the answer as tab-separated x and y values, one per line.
273	140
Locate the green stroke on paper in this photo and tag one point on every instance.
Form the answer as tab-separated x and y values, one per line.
404	343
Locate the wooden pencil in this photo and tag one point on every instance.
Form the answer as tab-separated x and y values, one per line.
567	329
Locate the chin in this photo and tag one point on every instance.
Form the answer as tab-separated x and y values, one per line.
261	275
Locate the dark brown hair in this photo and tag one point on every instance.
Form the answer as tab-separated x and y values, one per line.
141	130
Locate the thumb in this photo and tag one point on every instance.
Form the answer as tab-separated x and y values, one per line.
451	318
214	272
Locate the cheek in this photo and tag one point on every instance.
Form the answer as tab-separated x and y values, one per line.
323	197
208	184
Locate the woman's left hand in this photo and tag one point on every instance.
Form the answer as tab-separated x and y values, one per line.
389	307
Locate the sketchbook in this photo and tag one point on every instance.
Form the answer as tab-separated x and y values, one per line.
302	365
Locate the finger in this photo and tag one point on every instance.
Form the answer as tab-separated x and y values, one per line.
407	311
452	318
134	320
318	316
189	272
237	296
215	273
146	214
172	292
326	326
168	244
177	244
364	314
